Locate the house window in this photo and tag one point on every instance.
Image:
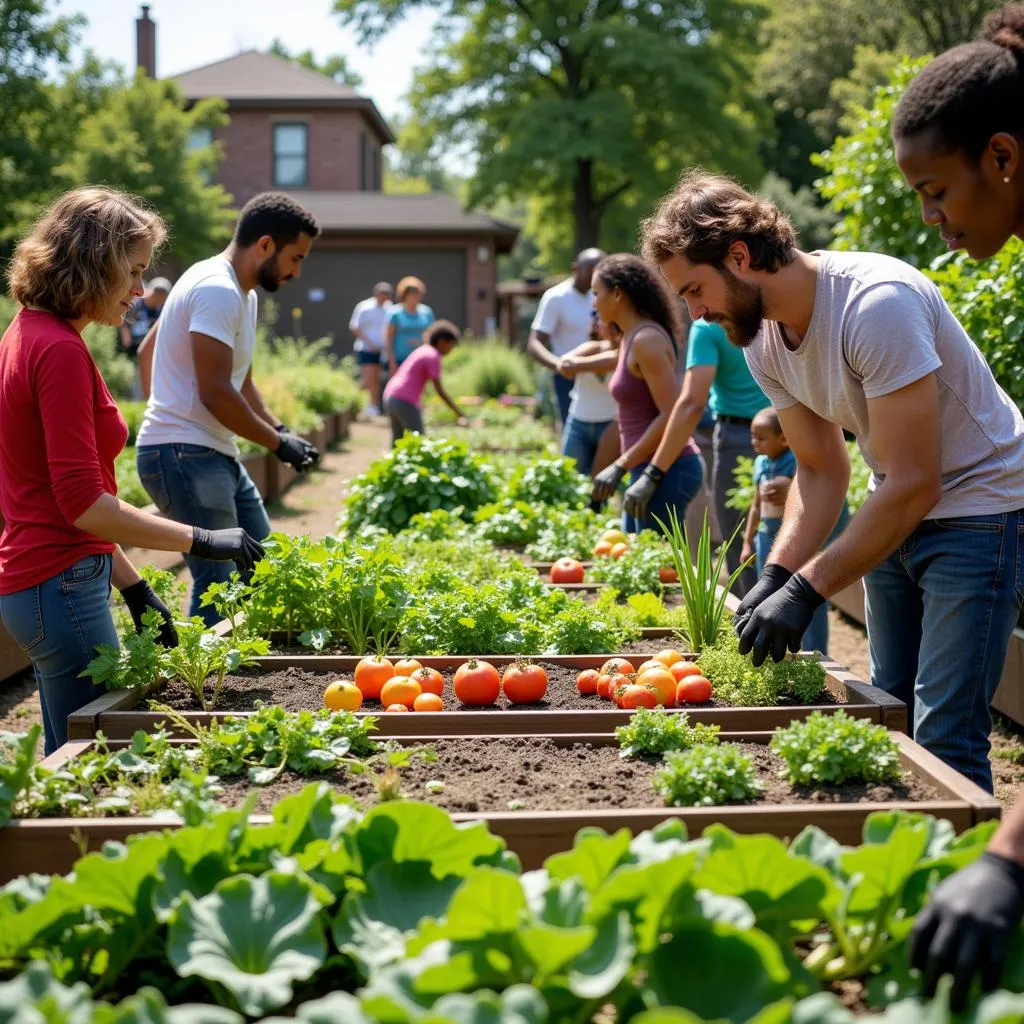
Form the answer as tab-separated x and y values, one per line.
291	155
200	138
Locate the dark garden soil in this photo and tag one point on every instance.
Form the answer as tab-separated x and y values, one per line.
297	689
488	774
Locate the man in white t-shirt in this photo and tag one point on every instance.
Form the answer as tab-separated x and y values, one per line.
367	323
199	362
563	323
864	342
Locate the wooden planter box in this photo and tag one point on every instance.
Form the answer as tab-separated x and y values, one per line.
117	714
51	846
257	466
1009	697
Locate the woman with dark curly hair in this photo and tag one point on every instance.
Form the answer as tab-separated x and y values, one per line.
60	550
645	385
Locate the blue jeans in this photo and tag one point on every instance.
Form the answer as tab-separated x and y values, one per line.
816	637
580	441
940	612
678	487
563	395
202	487
58	624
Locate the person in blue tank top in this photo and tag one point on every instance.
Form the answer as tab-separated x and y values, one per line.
407	321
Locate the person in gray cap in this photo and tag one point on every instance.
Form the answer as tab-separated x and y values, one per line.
144	313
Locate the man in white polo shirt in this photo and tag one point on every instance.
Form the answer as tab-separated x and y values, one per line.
367	323
563	323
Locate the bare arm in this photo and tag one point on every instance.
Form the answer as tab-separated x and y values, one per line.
537	347
599	362
252	395
145	358
111	519
906	435
657	366
685	415
213	363
446	398
122	572
753	521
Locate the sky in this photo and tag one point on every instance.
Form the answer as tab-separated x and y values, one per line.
190	33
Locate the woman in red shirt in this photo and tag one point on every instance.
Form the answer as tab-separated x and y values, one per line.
61	431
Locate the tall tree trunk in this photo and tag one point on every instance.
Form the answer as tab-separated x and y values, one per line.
586	211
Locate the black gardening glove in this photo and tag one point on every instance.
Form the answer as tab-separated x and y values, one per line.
231	545
295	450
639	494
967	925
773	578
780	621
140	597
606	483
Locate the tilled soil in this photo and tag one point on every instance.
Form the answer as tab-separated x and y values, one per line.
540	774
297	689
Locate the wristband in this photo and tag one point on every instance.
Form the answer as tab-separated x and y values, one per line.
654	474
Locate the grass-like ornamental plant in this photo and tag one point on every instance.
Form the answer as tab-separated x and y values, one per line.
657	732
707	777
827	750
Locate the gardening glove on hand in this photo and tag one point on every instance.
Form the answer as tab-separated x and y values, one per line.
774	578
780	621
139	597
606	483
231	545
296	451
638	495
967	925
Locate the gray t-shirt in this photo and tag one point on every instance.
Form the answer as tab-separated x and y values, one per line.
879	325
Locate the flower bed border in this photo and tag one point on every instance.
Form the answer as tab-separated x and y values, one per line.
51	845
115	714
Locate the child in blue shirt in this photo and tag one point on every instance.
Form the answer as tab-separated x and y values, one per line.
774	470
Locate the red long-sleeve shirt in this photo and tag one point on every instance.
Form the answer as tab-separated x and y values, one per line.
60	431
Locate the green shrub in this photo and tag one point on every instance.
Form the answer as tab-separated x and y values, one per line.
566	533
129	486
490	369
548	481
655	733
707	776
736	680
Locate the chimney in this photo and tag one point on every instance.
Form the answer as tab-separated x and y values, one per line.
145	42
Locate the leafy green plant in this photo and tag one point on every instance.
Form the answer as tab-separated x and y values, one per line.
571	626
129	486
741	495
828	750
201	654
419	475
699	577
548	481
137	661
509	523
653	733
17	756
638	570
288	590
707	776
568	533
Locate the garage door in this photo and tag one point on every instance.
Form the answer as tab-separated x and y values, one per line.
344	276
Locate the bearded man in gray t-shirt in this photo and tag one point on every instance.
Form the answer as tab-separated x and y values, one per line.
864	342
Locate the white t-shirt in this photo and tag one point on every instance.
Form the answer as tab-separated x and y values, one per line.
370	317
879	325
564	314
591	401
206	299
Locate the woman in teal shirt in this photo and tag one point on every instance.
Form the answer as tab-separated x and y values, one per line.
407	322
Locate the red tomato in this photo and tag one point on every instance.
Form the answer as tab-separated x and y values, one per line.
524	683
613	665
682	669
694	690
664	684
567	570
477	683
586	682
603	681
668	575
430	680
371	674
638	695
618	683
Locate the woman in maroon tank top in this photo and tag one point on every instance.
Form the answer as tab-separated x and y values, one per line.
645	385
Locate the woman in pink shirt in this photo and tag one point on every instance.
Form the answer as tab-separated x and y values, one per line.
404	391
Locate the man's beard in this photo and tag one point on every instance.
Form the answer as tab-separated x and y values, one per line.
267	277
744	305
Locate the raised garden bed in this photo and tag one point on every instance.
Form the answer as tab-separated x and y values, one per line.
563	784
299	681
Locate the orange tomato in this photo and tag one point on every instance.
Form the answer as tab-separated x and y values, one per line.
371	674
694	690
613	665
602	549
667	657
618	550
681	669
407	667
430	680
667	574
343	695
428	702
399	690
477	683
649	664
396	707
524	683
586	682
663	682
638	695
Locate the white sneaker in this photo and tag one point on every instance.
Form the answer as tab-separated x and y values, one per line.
372	410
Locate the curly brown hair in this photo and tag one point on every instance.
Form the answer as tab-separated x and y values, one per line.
705	213
645	288
78	251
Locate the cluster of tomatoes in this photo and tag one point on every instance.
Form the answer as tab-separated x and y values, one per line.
407	685
613	544
666	679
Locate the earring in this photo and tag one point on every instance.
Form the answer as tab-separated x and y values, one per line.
1006	180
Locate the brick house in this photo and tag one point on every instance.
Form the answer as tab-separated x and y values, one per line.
302	133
